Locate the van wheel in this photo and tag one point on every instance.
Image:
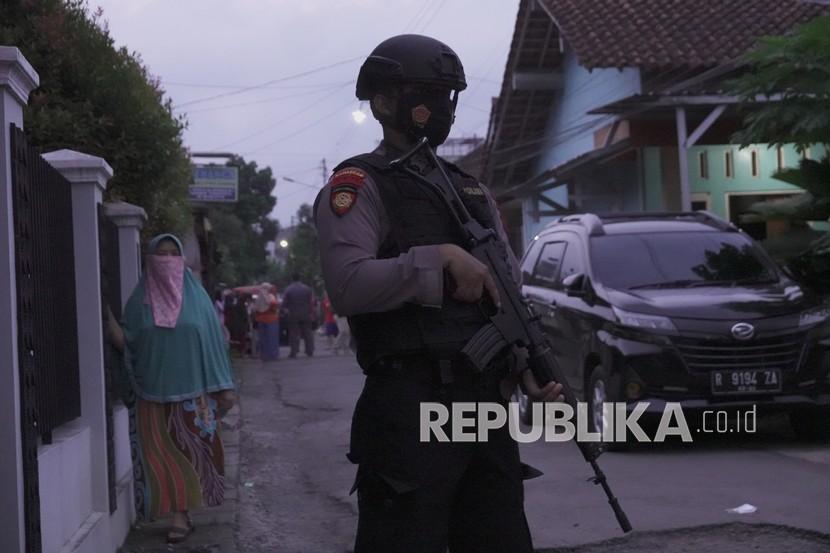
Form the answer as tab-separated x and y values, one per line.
812	425
599	392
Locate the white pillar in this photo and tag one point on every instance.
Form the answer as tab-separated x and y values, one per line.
88	176
17	80
129	219
683	159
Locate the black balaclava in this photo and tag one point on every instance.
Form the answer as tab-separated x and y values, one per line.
427	113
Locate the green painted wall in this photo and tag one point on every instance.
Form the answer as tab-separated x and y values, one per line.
652	175
718	185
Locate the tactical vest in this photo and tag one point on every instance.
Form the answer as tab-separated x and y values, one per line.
417	217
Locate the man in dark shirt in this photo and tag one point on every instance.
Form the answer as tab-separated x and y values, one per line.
296	313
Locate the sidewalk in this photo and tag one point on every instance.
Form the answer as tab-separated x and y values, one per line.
215	526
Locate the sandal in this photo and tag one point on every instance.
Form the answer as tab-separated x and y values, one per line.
177	534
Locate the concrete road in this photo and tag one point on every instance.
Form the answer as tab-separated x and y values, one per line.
294	436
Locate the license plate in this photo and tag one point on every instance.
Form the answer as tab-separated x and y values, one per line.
746	381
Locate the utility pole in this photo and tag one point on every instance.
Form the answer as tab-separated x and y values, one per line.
325	172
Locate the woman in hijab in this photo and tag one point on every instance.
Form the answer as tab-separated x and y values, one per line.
179	370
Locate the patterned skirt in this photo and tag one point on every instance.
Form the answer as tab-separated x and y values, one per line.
178	458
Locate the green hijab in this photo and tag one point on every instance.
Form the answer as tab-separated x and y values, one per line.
179	363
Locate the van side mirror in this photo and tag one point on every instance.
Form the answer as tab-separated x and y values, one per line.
574	285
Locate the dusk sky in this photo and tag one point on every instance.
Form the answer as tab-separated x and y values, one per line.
232	68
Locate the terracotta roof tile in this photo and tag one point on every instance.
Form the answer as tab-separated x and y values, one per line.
658	34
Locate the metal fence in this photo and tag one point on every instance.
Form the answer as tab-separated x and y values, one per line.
111	296
46	310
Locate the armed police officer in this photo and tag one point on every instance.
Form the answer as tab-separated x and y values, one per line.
395	263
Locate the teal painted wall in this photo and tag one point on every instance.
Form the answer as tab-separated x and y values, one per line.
652	176
718	185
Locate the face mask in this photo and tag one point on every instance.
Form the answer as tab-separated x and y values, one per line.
427	114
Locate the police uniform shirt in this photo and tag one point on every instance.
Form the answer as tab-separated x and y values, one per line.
351	226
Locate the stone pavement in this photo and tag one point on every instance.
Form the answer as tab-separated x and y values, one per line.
215	526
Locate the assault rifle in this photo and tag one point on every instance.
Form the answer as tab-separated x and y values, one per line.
514	322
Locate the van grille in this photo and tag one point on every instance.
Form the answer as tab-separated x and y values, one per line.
779	352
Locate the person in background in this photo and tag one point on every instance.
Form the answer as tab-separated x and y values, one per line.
329	323
252	331
236	315
179	369
219	305
297	314
266	308
344	335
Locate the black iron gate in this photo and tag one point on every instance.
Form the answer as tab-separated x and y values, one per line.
110	296
46	312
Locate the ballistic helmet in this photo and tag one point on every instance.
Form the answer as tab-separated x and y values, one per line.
409	59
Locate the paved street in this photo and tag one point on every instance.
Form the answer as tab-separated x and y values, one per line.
295	478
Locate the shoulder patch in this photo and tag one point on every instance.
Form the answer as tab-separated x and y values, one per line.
344	186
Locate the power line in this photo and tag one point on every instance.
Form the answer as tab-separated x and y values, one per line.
301	130
437	10
350	128
484	78
264	101
476	108
270	126
267	83
413	22
305	170
294	193
240	86
292	180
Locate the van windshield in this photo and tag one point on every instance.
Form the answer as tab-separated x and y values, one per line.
678	260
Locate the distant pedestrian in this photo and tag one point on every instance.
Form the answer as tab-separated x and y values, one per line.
252	329
297	307
344	336
329	324
236	318
266	307
179	370
219	305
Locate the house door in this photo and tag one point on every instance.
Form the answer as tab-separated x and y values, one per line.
739	206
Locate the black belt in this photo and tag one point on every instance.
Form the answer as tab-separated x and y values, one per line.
424	368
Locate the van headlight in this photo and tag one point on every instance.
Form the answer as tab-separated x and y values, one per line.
814	316
641	320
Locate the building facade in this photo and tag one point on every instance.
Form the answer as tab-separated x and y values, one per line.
620	107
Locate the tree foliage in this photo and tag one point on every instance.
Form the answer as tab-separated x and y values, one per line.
785	90
303	256
100	100
794	72
243	229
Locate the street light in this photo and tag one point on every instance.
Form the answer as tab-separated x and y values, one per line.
359	115
283	243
